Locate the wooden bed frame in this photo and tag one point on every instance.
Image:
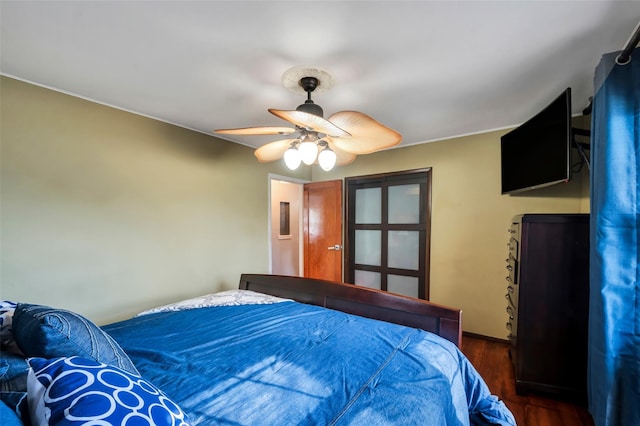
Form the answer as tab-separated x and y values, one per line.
441	320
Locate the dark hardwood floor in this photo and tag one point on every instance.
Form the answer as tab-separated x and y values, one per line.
491	359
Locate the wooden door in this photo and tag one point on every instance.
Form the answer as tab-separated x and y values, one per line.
323	230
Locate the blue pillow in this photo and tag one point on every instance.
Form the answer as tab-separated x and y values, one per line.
13	372
8	416
7	341
16	402
41	331
70	391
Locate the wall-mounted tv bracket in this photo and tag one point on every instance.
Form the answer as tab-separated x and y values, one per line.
582	146
588	108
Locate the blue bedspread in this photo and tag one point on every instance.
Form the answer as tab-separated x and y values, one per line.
290	363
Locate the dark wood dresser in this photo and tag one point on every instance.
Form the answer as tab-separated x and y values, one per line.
548	303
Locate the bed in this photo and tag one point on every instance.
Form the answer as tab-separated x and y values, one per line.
277	351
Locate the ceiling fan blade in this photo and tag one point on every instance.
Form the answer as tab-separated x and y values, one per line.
342	157
367	135
257	131
310	122
273	151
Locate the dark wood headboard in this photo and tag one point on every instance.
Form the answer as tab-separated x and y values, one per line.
363	301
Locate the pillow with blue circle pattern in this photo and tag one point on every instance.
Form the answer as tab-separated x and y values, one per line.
72	391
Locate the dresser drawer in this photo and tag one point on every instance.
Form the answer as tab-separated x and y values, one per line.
511	296
513	247
512	270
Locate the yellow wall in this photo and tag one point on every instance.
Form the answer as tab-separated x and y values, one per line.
470	219
107	213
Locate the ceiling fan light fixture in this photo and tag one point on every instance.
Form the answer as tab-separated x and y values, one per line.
308	152
327	158
292	157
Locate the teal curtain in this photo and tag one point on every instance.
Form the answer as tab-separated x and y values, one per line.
614	316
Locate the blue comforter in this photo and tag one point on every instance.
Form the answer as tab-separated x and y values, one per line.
289	363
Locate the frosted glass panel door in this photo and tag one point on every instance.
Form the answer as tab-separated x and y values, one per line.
404	250
368	279
403	285
368	247
404	203
388	232
368	205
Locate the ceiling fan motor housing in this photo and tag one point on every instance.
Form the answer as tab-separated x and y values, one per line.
311	108
309	84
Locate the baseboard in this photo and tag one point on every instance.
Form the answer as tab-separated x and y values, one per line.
480	336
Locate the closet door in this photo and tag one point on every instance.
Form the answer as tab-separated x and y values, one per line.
388	232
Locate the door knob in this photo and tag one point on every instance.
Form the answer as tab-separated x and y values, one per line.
336	247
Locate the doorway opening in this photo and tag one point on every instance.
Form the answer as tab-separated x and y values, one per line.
305	228
285	226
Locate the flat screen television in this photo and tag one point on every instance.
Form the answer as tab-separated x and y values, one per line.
537	153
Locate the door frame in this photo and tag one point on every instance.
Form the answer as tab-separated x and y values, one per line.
300	182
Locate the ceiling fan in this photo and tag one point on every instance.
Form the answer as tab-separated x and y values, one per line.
336	140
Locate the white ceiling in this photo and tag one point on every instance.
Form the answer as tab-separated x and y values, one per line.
429	69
